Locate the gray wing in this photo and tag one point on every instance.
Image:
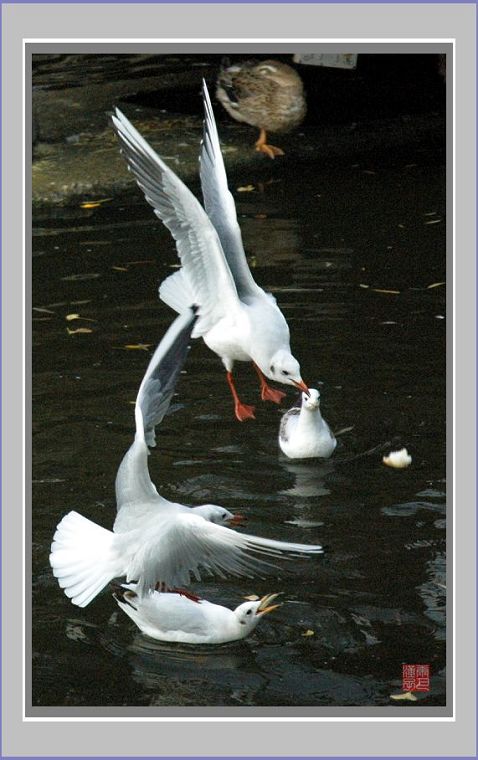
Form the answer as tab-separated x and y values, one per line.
219	203
197	242
284	423
186	545
136	494
159	382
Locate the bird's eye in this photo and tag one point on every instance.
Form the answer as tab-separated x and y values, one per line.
284	372
248	612
224	516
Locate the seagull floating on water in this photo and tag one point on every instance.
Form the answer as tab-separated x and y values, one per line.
155	542
237	319
172	617
303	431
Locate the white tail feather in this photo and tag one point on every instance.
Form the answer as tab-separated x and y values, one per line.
83	558
176	291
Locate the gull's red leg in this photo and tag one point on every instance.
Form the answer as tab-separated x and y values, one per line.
243	411
268	393
186	593
162	588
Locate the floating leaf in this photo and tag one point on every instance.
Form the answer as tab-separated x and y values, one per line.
120	269
80	277
145	261
42	310
384	290
435	285
137	346
362	285
245	189
344	430
94	204
101	243
78	330
71	317
405	696
252	598
308	632
433	221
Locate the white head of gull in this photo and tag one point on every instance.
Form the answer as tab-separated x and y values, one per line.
237	319
303	432
155	541
175	617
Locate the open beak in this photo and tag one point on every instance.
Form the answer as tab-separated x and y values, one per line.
237	520
302	386
265	605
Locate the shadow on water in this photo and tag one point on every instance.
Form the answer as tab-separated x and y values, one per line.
356	267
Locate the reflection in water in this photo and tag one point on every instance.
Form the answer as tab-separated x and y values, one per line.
433	593
309	476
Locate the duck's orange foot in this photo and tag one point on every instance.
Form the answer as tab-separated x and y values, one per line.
244	411
263	147
272	394
270	150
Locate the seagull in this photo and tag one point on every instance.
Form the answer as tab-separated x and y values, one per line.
303	431
237	319
154	542
173	617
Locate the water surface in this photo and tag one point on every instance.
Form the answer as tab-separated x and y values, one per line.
325	242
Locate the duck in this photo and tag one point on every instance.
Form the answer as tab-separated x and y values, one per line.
176	618
303	432
156	543
265	94
238	320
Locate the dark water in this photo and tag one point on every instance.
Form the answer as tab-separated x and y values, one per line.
376	599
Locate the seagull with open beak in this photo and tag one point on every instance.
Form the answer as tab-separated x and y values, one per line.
238	320
174	617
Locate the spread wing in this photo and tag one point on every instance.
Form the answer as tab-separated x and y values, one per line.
197	242
136	494
185	545
219	203
159	382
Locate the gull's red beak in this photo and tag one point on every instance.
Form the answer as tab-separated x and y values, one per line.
302	386
237	520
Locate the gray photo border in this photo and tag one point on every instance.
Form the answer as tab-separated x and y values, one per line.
246	49
43	21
